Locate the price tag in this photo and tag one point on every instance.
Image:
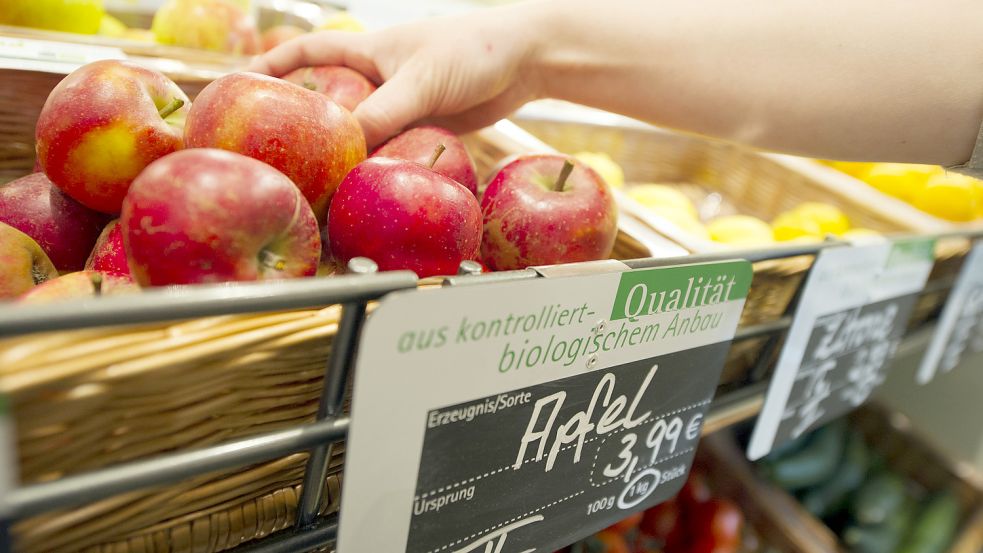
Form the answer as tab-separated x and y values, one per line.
518	417
959	326
853	313
51	57
8	461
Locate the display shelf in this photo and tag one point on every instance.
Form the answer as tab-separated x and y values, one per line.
353	292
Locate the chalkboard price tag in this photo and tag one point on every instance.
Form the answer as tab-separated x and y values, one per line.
854	310
960	325
527	415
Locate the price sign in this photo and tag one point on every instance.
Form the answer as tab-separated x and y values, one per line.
853	313
50	56
517	417
960	326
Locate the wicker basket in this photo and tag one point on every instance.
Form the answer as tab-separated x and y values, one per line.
887	433
762	185
94	398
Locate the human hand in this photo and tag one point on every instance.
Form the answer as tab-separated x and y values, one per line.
461	72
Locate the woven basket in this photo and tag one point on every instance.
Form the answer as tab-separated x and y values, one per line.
762	185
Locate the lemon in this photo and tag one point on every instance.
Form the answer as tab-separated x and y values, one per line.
863	236
740	230
70	16
661	196
950	196
342	21
852	168
901	180
791	225
111	27
609	170
684	220
829	217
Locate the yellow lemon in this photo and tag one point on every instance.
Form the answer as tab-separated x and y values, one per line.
901	180
950	196
70	16
852	168
111	27
792	225
684	220
609	170
740	230
342	21
659	196
829	217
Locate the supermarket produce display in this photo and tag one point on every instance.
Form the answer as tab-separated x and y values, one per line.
228	325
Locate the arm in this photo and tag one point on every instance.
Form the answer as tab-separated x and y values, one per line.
878	79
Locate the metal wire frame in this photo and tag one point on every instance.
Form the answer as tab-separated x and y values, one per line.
352	291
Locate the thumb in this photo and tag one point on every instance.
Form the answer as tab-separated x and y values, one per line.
399	102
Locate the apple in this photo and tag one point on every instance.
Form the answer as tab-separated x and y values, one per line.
217	25
275	36
109	256
102	124
308	137
545	209
64	228
404	215
23	264
79	284
417	145
70	16
207	215
344	85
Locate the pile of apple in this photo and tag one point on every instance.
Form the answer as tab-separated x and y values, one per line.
142	188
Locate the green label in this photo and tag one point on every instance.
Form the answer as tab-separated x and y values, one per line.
911	250
665	290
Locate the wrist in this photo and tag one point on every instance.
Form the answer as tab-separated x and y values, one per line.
535	23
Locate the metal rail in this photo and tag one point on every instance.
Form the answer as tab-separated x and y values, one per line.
352	291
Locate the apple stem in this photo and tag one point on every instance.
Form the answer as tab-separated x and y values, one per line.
564	173
96	284
170	107
436	155
310	86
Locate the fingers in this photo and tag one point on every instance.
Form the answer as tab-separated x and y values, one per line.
484	114
323	48
396	104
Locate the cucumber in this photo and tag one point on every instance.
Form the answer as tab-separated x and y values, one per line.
830	496
880	538
878	499
814	462
934	526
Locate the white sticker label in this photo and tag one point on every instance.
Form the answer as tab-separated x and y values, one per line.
854	310
960	327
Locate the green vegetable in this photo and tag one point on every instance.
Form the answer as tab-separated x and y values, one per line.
878	499
814	462
829	496
934	526
880	538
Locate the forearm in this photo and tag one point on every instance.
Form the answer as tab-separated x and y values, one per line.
878	79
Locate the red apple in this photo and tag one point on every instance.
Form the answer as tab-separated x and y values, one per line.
404	215
109	256
64	228
80	284
418	144
312	140
218	25
23	264
206	215
345	86
102	124
534	215
275	36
